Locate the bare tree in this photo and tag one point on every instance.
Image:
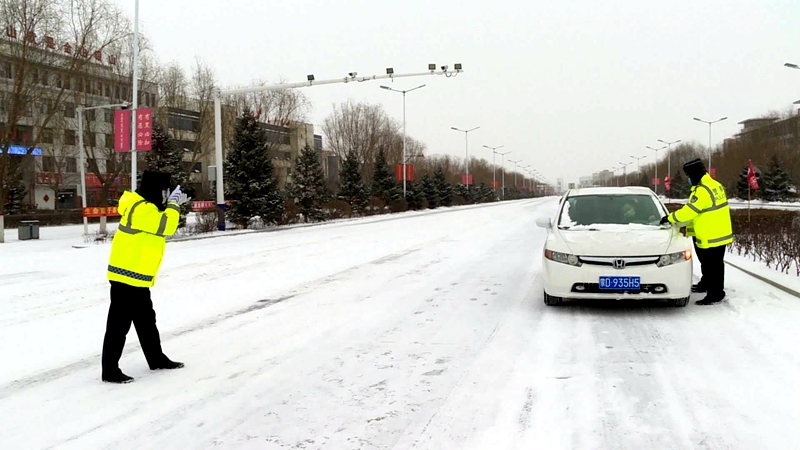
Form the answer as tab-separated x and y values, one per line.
47	42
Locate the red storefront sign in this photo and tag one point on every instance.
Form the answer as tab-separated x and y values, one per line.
93	181
464	179
100	211
409	172
122	130
48	178
206	205
144	129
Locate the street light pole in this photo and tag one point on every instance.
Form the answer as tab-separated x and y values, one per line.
135	93
503	189
657	181
709	136
404	129
494	167
515	170
466	143
625	169
638	167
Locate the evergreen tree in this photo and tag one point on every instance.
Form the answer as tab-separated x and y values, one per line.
165	156
309	189
778	185
443	187
679	186
15	188
414	195
462	191
352	189
250	183
383	184
484	194
430	192
742	185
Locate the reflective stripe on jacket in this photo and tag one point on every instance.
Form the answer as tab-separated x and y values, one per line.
707	214
138	245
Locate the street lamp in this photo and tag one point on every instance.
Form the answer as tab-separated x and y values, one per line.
709	136
638	167
80	109
515	171
503	188
669	156
494	167
466	143
625	169
404	128
657	182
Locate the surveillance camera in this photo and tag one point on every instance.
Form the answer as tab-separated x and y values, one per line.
444	68
353	74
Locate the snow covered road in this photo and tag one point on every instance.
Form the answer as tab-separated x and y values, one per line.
425	331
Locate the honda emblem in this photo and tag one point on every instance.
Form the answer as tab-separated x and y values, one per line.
619	263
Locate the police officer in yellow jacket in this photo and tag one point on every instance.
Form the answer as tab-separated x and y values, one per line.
149	215
707	218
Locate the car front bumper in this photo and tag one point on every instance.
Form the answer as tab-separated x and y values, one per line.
563	280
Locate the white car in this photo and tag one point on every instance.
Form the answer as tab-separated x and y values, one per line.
606	243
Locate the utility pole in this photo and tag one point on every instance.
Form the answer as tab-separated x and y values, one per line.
503	190
404	129
466	143
494	166
515	171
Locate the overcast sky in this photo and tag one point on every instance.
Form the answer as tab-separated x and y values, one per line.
570	86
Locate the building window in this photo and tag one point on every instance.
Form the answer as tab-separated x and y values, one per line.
109	141
116	92
109	116
47	136
187	146
72	165
69	137
5	70
69	109
183	123
46	78
89	115
48	164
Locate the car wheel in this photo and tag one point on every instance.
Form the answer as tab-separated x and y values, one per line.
549	300
679	302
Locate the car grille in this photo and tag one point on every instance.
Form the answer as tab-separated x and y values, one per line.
594	288
609	260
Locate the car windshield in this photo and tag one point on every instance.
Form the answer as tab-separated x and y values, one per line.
592	210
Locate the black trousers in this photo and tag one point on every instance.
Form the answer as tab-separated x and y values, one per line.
130	304
712	266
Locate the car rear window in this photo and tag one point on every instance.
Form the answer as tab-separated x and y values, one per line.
610	209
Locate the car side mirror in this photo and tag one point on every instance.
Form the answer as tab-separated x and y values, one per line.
544	222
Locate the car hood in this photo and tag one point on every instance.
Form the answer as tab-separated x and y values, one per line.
617	240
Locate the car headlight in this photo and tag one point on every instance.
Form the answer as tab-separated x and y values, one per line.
674	258
563	258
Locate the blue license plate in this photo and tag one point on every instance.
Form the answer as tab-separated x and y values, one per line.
620	283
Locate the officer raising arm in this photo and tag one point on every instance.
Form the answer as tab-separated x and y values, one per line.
708	218
149	215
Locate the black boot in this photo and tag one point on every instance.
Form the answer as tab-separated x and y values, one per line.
116	377
167	364
711	299
699	287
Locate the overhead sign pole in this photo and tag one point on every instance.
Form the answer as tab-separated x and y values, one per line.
351	78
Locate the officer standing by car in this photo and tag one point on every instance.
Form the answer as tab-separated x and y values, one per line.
149	215
708	219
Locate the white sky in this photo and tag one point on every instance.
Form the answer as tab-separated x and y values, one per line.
570	86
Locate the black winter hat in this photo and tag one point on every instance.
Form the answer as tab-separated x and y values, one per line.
153	183
694	169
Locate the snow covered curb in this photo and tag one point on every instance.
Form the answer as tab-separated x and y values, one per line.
351	221
769	276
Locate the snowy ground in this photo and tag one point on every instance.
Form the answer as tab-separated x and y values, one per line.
424	331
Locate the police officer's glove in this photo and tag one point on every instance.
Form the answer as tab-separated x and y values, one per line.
177	196
664	220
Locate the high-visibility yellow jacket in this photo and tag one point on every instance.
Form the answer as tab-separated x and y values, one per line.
138	245
707	215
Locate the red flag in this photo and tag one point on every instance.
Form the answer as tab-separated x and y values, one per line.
667	182
752	180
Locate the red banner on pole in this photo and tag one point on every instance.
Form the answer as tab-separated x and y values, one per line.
464	180
656	182
409	172
667	182
752	179
144	129
122	130
714	172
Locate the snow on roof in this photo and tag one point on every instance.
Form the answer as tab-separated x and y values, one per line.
623	190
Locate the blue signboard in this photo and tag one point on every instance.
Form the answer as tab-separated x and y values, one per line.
20	150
